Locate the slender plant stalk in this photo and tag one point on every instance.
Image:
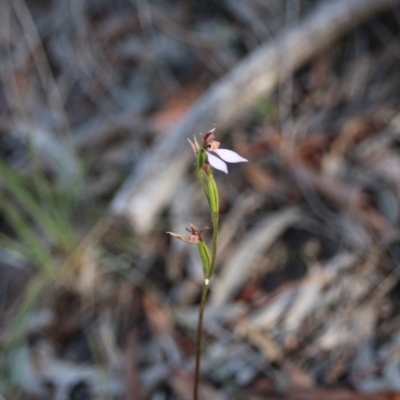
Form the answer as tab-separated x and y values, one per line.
206	285
199	335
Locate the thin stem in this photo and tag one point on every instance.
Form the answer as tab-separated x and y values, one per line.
199	335
212	198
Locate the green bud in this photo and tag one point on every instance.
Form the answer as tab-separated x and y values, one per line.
213	193
205	256
201	157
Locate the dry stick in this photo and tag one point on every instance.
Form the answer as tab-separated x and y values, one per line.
153	183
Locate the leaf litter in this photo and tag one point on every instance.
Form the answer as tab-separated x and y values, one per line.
304	304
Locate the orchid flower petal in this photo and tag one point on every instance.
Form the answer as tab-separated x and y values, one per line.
229	156
217	163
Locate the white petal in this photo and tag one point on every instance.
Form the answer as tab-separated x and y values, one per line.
229	156
217	163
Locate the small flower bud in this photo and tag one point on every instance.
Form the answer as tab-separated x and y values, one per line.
205	256
213	193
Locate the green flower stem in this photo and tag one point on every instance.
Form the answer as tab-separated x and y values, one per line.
199	335
211	192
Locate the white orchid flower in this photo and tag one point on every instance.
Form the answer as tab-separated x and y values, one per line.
224	155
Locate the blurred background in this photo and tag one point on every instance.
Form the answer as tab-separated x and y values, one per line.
97	99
